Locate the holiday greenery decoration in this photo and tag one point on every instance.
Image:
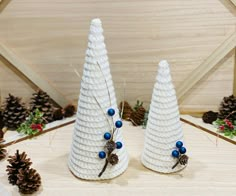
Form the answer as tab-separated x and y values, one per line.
163	127
13	112
28	181
69	110
20	173
137	116
17	162
97	151
127	110
227	108
3	153
145	120
226	126
42	102
209	117
34	123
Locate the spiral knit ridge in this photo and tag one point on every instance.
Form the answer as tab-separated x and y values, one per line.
163	128
96	97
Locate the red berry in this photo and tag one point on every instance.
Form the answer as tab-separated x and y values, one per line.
222	127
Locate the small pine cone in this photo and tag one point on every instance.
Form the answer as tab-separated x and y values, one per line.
28	181
16	162
127	110
183	160
69	110
58	114
209	117
137	117
14	112
3	153
228	108
110	146
42	101
113	159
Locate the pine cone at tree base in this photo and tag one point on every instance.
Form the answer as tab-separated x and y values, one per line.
28	181
69	110
127	110
209	117
137	117
14	112
228	108
42	101
17	162
58	114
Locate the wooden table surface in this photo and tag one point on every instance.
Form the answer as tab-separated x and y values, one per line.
211	169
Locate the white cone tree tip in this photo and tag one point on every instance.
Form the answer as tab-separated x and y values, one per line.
96	97
164	128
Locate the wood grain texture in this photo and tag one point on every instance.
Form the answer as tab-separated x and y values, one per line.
208	64
211	169
51	36
26	71
234	2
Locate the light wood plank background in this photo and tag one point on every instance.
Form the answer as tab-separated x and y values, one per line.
51	37
211	170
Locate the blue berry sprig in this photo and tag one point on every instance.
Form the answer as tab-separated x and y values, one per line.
111	145
179	153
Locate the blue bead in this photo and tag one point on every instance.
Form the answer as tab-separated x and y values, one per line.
179	144
107	136
118	124
182	150
119	145
175	153
111	112
102	155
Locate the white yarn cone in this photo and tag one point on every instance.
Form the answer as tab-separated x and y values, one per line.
164	127
96	97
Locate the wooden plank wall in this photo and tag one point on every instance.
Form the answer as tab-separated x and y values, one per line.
51	37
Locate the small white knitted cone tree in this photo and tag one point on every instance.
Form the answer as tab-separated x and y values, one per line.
163	128
93	124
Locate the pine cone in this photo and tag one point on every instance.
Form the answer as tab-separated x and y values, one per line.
228	106
113	159
28	181
69	110
3	153
58	114
42	101
110	146
1	120
126	111
14	112
137	117
209	117
18	161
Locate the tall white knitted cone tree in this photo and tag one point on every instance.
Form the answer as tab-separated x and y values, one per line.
163	128
96	152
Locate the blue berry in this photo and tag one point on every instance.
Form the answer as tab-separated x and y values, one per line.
175	153
111	112
107	136
179	144
102	155
119	145
118	124
182	150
